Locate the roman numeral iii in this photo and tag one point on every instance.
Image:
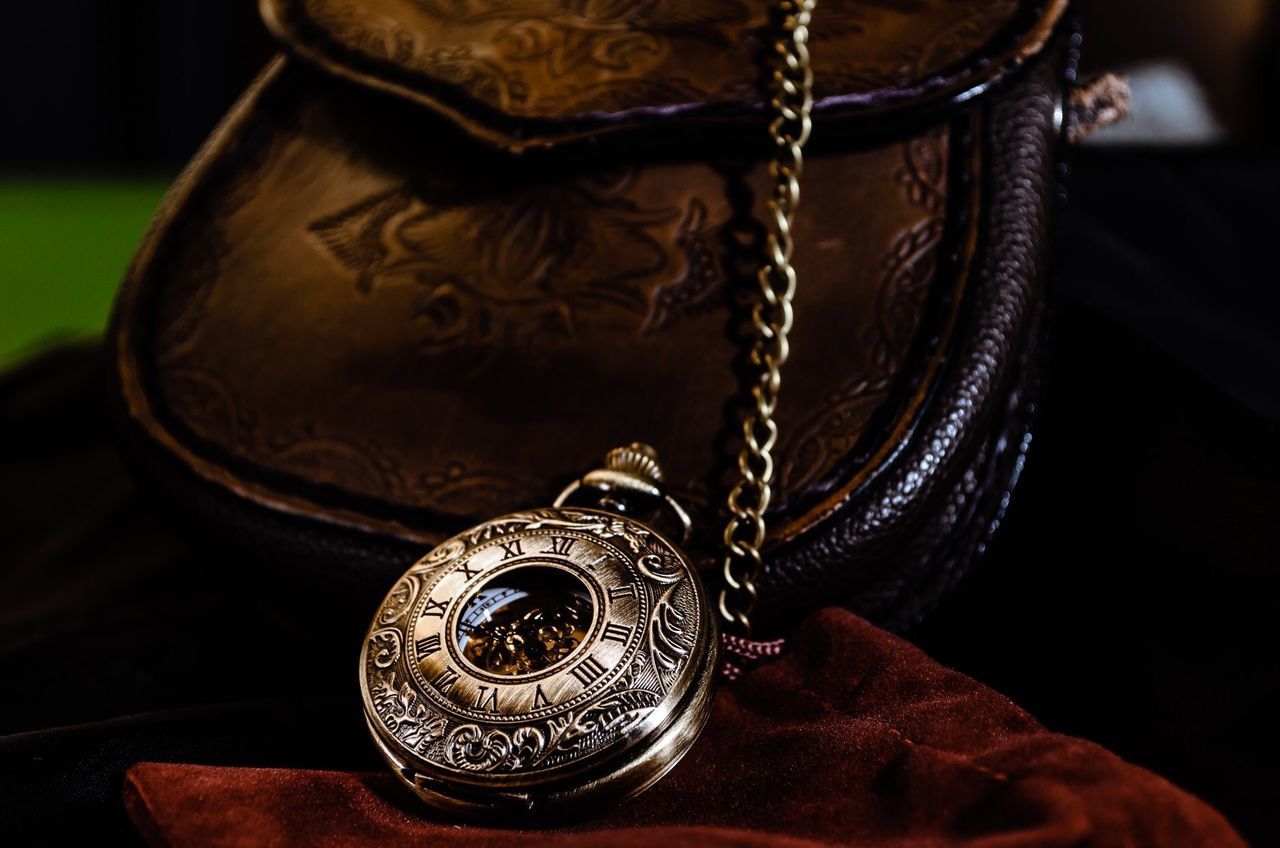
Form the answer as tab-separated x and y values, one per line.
588	671
614	632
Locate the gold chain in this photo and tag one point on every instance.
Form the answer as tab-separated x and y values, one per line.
771	318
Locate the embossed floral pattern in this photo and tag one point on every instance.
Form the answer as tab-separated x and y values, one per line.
523	268
570	58
907	270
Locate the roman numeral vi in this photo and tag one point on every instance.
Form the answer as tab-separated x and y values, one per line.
487	702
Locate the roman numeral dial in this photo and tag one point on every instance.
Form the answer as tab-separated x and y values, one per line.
538	621
553	650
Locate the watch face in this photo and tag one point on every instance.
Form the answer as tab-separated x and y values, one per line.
525	620
533	649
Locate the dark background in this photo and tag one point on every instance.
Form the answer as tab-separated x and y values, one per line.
138	84
1131	596
133	85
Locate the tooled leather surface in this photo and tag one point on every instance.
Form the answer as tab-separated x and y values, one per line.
878	558
465	338
908	534
560	60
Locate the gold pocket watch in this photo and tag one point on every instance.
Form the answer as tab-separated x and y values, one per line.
566	656
547	656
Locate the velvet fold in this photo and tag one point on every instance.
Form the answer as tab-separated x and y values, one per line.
853	736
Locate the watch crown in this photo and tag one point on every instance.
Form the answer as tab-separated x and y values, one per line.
632	470
636	459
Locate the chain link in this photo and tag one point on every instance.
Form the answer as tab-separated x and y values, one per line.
791	103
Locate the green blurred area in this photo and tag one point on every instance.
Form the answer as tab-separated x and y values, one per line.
64	245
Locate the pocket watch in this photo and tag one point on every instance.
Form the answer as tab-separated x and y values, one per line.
563	657
547	656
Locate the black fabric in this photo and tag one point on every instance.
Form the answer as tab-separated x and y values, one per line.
1148	503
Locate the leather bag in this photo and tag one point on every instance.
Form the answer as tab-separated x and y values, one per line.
441	256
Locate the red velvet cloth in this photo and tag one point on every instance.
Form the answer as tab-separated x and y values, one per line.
853	737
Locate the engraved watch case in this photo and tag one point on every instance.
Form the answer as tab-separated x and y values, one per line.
542	659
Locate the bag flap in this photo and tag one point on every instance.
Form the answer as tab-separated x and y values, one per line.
525	73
